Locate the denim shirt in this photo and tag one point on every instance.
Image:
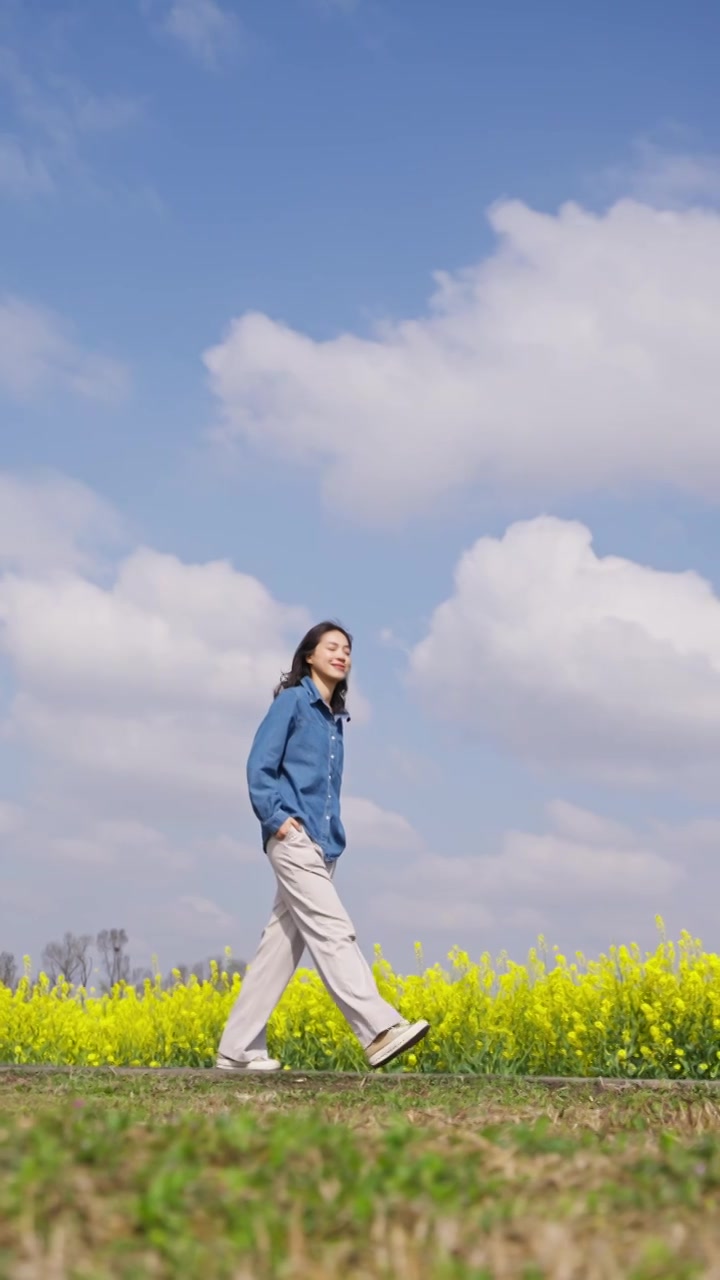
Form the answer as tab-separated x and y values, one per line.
295	765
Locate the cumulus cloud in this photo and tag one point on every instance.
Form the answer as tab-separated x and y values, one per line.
585	873
119	844
199	919
157	677
668	178
130	690
580	354
569	657
50	522
39	354
165	630
139	686
79	870
370	826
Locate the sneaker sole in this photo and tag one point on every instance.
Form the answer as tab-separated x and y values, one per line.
404	1041
245	1068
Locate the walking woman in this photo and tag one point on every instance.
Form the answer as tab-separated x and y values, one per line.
294	776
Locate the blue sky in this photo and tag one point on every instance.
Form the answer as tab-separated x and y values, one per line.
223	337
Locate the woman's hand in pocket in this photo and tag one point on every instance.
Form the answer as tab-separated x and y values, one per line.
287	827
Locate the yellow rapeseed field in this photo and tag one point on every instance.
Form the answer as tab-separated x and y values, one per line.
624	1014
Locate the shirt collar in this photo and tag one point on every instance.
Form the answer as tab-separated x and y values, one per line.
315	696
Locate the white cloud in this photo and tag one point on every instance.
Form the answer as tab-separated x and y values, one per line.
130	692
133	689
144	678
370	826
206	29
61	107
39	354
564	868
581	354
51	522
167	631
118	844
573	823
49	119
158	677
565	656
414	766
235	852
178	757
199	919
668	178
74	869
585	869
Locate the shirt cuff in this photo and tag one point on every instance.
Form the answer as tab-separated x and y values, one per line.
277	819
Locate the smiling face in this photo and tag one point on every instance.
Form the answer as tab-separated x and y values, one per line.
331	660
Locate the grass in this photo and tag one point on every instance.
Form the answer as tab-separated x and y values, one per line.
315	1179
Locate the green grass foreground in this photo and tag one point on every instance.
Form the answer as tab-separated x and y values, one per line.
104	1176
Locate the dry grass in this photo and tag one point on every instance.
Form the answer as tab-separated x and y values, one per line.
104	1176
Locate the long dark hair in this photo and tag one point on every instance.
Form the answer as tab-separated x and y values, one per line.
300	668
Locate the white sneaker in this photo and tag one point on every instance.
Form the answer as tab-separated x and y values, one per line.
395	1041
254	1064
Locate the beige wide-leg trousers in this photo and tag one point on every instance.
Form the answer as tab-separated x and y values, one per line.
307	913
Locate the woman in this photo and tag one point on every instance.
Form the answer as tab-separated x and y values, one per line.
294	776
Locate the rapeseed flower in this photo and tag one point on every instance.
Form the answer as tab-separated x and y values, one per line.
623	1014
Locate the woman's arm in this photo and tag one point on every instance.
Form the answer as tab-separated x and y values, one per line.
265	760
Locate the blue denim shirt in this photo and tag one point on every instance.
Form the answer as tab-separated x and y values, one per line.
295	765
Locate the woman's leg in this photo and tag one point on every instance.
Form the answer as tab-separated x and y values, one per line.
307	891
275	962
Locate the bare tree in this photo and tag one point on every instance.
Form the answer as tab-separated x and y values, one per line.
139	976
111	944
71	959
8	970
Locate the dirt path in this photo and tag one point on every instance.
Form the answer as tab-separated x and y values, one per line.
358	1080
